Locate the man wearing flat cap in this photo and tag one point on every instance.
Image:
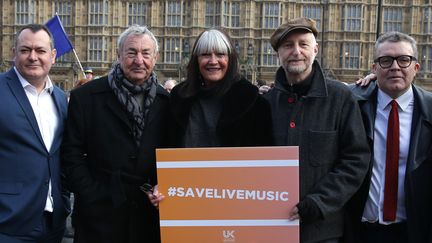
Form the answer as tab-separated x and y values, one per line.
322	117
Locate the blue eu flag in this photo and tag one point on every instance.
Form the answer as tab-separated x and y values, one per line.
61	41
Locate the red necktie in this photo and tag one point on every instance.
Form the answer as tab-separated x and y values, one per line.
392	165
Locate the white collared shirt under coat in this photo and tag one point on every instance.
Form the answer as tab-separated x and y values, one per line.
373	211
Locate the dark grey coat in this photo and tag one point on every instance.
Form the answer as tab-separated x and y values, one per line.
334	153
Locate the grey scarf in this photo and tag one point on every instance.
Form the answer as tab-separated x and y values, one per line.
124	90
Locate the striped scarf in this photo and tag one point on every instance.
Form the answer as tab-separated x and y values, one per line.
125	91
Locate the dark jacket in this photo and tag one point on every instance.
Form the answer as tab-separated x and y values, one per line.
418	177
326	125
26	165
105	168
245	119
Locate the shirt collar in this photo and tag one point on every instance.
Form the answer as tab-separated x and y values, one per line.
48	85
403	101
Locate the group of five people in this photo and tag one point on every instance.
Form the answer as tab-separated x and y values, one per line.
115	123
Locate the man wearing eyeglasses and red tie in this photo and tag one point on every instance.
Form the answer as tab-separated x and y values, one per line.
395	202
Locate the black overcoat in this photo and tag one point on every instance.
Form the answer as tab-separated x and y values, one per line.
245	119
104	167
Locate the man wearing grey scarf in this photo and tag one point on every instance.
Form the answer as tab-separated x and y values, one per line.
114	126
130	95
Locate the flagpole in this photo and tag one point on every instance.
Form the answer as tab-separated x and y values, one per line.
79	63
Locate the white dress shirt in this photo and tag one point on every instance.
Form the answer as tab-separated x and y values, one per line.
373	211
47	119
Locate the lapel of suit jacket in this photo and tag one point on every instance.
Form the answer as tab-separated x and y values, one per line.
61	105
155	108
421	131
115	107
18	91
368	108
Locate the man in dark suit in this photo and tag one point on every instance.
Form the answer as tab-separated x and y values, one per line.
394	204
32	205
114	125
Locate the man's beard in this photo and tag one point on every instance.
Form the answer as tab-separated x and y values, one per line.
295	69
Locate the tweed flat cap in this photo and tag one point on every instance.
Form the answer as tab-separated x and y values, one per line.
293	24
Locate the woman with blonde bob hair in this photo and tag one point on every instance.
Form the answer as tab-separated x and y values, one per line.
216	106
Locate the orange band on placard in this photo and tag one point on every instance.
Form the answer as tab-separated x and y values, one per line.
241	153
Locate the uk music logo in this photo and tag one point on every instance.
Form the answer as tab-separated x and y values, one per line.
228	236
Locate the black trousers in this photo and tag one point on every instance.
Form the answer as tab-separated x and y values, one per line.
379	233
45	232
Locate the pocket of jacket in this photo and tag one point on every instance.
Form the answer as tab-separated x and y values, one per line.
322	147
12	188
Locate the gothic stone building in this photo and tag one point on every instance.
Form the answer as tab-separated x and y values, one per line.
348	30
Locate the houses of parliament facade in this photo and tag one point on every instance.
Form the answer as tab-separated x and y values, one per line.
347	32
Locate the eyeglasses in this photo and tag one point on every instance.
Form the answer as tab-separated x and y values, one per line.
387	61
